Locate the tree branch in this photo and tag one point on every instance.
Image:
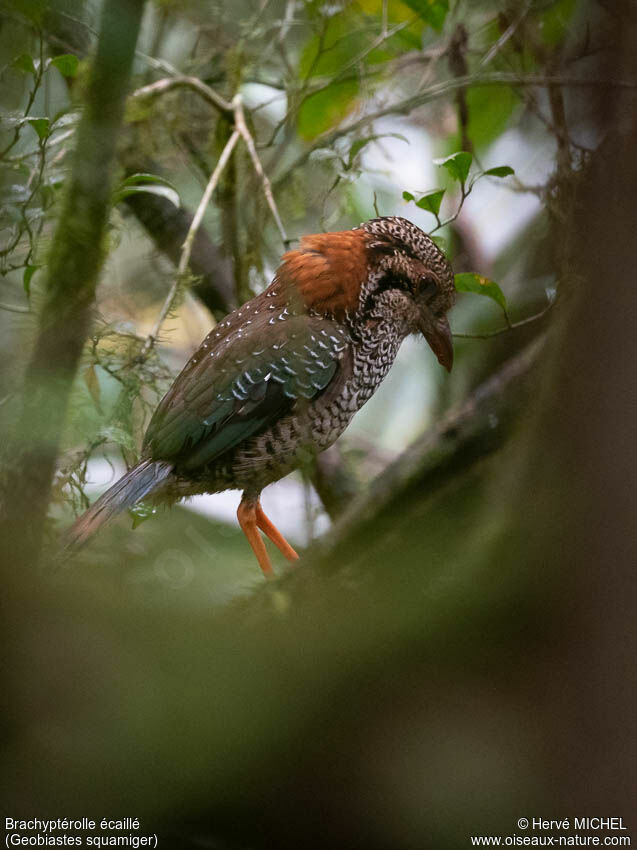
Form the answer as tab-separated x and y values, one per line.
189	242
509	327
240	124
169	83
468	432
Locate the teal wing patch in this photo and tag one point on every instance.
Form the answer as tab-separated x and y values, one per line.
233	391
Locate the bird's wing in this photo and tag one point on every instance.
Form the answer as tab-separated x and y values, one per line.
239	386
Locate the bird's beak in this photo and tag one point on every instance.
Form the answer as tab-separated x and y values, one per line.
438	334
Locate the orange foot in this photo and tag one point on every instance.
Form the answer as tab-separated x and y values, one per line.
251	518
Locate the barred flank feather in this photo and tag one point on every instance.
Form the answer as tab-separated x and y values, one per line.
130	489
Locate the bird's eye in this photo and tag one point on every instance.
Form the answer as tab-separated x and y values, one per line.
427	287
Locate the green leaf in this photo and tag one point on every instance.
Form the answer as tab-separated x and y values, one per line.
326	108
326	53
40	125
67	64
29	271
430	201
65	117
24	63
490	111
499	171
152	184
141	512
442	243
458	165
340	38
432	11
143	177
472	282
162	191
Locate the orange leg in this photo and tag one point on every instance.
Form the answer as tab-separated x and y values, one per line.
275	535
247	516
251	519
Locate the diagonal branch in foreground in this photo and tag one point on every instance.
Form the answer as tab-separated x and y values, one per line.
467	433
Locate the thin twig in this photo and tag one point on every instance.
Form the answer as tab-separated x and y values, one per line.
242	128
506	35
186	250
353	63
509	327
36	151
168	83
465	192
319	86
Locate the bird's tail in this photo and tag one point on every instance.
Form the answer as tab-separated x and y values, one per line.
130	489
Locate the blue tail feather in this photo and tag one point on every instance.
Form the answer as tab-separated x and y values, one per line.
130	489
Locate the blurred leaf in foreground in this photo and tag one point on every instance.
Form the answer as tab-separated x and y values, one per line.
480	285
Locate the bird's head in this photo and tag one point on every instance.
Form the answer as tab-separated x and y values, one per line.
410	275
387	268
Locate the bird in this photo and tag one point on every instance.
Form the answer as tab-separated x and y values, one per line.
280	378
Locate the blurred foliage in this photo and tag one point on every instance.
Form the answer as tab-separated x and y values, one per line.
405	660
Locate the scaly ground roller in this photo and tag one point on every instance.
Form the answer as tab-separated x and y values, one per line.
285	373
